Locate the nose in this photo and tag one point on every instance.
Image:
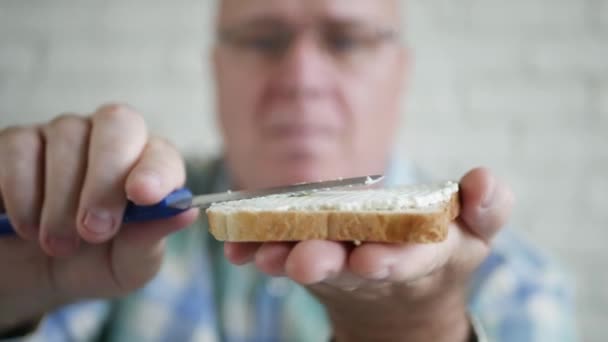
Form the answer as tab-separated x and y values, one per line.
304	70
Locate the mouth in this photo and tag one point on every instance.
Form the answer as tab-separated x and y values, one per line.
298	132
294	141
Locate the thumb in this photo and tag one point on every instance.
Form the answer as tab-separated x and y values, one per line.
486	203
145	234
137	251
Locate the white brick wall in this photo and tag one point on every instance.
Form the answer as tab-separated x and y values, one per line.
530	17
600	9
518	85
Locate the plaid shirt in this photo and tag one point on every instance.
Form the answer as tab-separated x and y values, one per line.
516	295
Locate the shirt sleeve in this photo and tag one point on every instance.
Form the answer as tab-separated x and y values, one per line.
521	295
77	322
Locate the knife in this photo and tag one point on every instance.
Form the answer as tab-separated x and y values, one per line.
182	199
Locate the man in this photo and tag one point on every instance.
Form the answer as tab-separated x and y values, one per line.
307	90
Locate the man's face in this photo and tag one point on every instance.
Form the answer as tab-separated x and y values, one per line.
307	90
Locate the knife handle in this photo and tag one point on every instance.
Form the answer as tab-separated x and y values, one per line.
133	213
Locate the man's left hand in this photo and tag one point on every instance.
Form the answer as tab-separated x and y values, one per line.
395	291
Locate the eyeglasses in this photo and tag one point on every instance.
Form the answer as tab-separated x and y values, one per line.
270	42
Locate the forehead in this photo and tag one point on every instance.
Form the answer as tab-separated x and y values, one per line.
381	11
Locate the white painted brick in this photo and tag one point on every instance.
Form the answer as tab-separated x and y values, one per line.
46	17
594	327
497	83
191	59
592	292
469	57
449	152
547	204
58	21
162	16
528	98
596	185
444	142
426	66
10	116
84	95
602	15
14	91
530	18
581	56
198	137
18	57
103	57
559	144
602	101
431	99
422	16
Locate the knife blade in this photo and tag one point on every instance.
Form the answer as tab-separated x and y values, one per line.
204	201
182	199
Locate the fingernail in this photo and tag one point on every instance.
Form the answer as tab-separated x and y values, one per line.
488	200
99	222
61	246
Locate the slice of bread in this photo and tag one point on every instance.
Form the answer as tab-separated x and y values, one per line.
416	213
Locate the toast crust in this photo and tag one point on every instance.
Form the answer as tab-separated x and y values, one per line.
376	226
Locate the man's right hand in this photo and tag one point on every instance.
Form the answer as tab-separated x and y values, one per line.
64	185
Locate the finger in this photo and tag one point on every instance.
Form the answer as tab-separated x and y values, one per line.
240	253
486	203
402	262
314	261
159	171
21	167
271	257
146	234
66	149
118	138
137	250
2	207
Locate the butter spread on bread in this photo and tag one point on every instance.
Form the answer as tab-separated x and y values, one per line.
417	213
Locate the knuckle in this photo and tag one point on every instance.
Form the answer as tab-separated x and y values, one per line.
117	112
113	108
162	143
10	130
20	139
67	126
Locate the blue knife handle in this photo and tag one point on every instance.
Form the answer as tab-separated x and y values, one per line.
133	213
